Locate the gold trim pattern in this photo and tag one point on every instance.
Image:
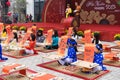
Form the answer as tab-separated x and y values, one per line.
47	9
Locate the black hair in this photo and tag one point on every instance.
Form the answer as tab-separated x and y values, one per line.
15	36
41	33
33	37
75	32
4	30
75	47
96	40
34	24
55	33
100	45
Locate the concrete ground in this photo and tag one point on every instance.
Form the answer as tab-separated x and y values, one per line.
31	62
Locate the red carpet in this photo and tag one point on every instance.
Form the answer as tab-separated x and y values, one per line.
2	61
105	62
46	51
41	49
13	76
112	63
71	70
18	57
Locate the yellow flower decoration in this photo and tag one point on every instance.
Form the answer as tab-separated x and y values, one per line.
22	28
66	31
15	27
41	29
117	37
80	33
96	32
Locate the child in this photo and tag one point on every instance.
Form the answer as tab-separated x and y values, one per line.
15	36
1	58
30	49
55	40
98	58
40	38
75	35
96	39
4	33
71	55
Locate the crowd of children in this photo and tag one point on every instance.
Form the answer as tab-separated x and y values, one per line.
71	56
35	37
72	49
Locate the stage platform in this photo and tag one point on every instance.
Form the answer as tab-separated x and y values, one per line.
45	26
107	32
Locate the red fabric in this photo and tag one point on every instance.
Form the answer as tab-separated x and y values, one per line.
9	13
8	3
35	51
57	9
23	72
44	77
6	69
31	45
53	11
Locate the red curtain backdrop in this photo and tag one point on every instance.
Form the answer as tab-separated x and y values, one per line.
54	11
110	8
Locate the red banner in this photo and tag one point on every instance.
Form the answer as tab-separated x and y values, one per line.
89	52
27	35
1	27
49	37
87	34
9	33
34	28
62	45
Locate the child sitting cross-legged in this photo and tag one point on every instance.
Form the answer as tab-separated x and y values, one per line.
30	48
98	58
71	55
40	37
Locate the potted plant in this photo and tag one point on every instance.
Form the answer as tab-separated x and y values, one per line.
117	37
80	33
22	29
96	33
14	27
41	29
66	31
